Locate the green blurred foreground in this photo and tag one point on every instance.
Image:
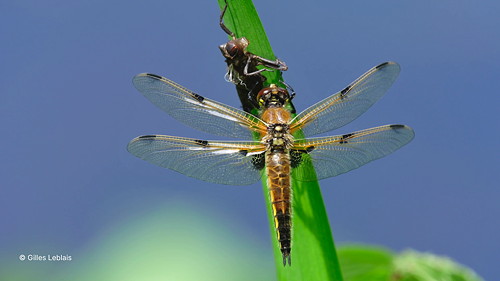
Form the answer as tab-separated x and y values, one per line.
174	243
178	242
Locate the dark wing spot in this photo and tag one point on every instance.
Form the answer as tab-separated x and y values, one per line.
201	142
382	65
244	152
310	148
198	97
344	91
154	75
147	137
397	126
258	161
345	137
296	156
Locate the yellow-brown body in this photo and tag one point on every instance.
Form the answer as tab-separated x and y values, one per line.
278	141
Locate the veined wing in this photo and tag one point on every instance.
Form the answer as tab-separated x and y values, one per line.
332	156
196	111
348	104
233	163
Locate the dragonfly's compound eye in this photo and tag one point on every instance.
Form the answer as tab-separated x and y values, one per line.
284	95
263	95
230	49
235	48
273	96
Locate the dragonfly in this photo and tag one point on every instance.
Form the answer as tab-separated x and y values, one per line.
242	66
270	147
242	62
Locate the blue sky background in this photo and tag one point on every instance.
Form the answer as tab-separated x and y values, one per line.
68	110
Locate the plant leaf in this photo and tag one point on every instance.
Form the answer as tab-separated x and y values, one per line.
371	263
365	263
411	265
313	252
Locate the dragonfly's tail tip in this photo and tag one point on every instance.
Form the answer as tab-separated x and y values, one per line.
287	259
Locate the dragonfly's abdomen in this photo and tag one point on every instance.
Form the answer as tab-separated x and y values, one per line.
278	182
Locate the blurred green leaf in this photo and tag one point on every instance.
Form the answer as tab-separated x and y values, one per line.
369	263
414	266
365	263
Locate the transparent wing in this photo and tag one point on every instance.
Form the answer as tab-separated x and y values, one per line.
348	104
233	163
332	156
197	111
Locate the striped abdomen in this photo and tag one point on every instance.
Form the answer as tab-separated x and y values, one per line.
278	182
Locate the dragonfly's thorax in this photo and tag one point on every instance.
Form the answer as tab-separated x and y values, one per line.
278	138
276	115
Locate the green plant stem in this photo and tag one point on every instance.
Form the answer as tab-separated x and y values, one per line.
313	251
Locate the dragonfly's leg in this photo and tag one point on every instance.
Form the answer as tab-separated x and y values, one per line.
288	87
222	25
276	64
245	70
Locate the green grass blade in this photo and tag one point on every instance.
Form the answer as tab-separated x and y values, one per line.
313	251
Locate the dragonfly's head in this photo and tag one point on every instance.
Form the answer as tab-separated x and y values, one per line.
234	48
273	96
